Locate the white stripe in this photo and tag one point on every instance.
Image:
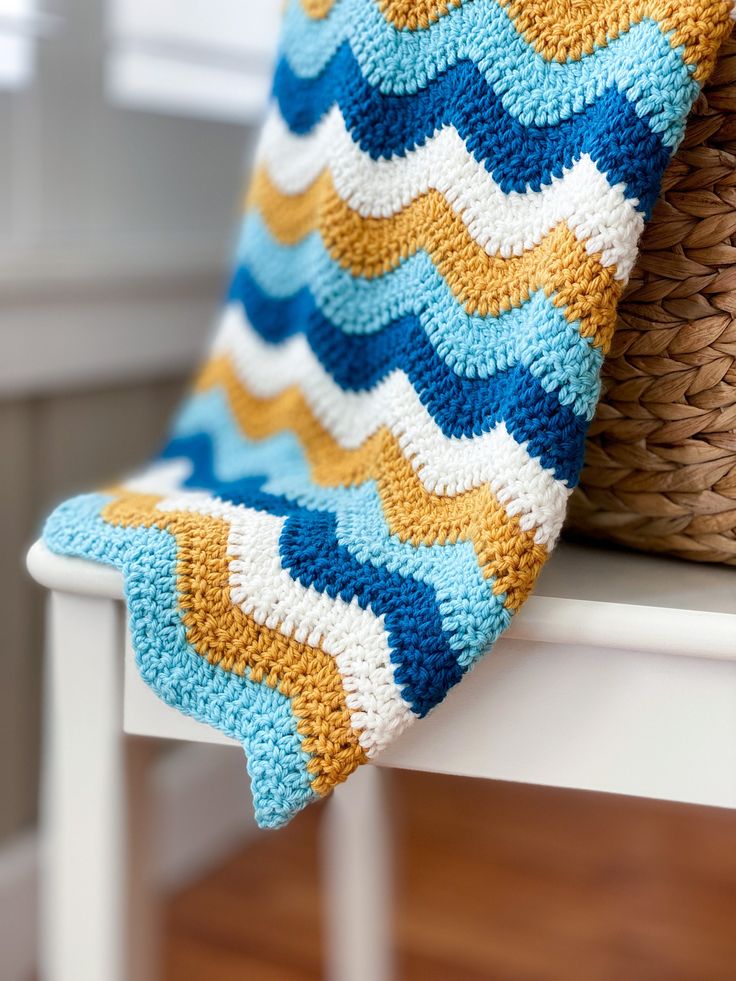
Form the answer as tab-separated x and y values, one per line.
354	637
505	224
445	465
160	477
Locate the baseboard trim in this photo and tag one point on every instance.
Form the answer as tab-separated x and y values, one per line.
201	813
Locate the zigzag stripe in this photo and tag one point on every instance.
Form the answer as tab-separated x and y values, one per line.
427	223
532	89
233	703
373	249
437	409
508	506
354	636
601	216
228	638
370	247
564	31
518	155
424	665
550	349
556	358
207	441
473	346
548	431
361	306
472	607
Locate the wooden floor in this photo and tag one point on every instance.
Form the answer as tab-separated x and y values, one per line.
495	882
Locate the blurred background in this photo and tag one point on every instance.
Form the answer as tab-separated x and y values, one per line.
128	127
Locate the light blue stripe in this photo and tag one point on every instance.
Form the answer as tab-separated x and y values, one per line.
640	63
469	609
536	335
254	714
236	456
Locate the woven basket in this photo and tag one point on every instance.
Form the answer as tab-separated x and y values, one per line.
660	470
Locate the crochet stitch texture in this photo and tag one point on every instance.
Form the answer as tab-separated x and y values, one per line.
375	460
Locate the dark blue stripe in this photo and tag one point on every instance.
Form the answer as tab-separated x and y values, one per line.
460	406
519	157
426	665
244	490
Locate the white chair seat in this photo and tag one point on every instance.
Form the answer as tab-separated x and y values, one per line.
619	675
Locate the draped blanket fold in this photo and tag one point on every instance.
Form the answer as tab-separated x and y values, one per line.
374	462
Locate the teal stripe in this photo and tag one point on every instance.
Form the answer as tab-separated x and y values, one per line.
536	335
534	90
469	609
252	713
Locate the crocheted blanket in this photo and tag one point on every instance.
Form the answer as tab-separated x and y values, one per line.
374	462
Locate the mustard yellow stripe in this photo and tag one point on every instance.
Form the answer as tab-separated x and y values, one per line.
566	30
504	550
289	218
403	14
317	9
415	14
219	631
487	285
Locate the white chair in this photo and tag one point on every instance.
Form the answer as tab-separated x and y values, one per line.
619	675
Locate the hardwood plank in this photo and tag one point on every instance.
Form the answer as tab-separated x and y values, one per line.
494	881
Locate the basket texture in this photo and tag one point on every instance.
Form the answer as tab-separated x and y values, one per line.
660	470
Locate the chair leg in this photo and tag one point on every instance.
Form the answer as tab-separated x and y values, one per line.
356	872
97	910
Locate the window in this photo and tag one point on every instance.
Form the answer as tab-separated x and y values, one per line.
18	27
120	177
193	58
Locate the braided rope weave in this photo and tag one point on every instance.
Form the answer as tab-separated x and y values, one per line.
660	470
376	458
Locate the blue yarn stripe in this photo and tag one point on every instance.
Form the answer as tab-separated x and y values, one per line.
409	606
555	434
462	407
221	462
534	90
550	348
254	714
425	664
519	156
471	344
359	305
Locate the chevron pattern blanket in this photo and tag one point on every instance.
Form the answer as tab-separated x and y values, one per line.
375	460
